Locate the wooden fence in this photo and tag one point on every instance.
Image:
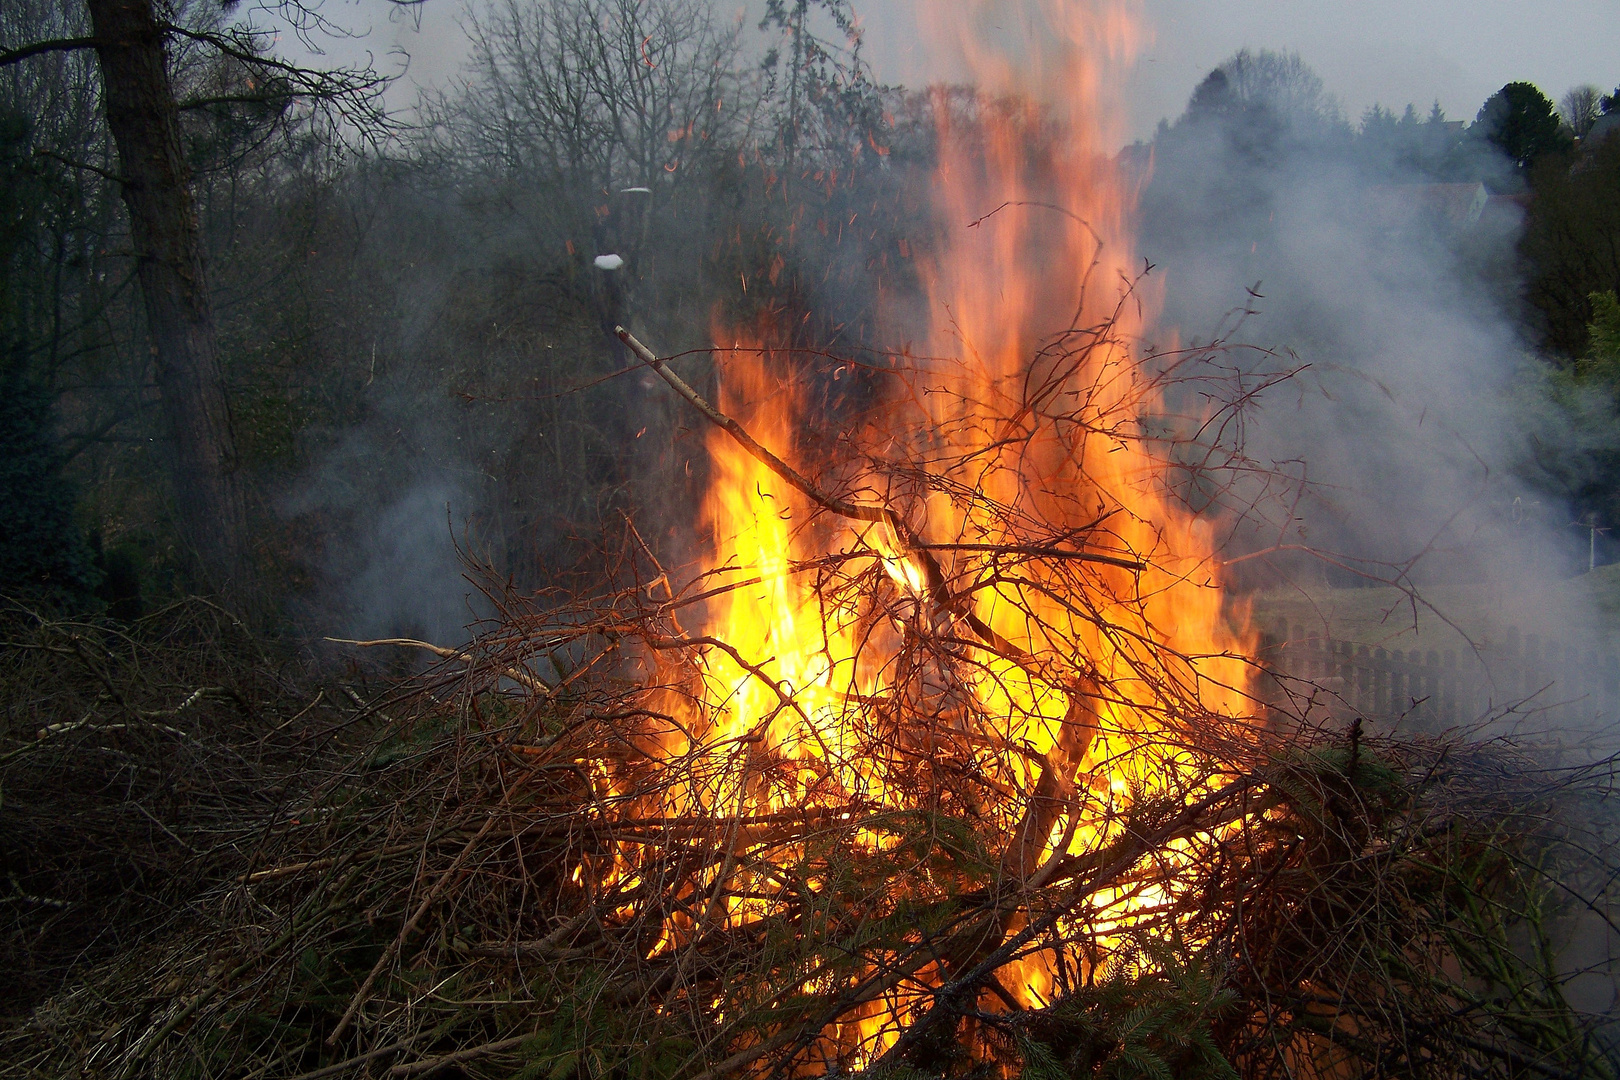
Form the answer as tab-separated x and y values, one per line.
1550	682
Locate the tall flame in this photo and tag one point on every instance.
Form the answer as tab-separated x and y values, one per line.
1034	411
1038	249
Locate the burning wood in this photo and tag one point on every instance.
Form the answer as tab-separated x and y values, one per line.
947	754
795	814
850	821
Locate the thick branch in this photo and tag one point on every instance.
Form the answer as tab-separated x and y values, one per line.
39	48
781	468
85	165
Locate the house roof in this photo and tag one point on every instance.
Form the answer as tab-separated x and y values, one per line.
1398	206
1607	126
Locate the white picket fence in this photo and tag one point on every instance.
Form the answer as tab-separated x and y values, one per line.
1547	681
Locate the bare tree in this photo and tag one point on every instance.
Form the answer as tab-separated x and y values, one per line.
1579	108
131	40
598	121
593	97
1282	80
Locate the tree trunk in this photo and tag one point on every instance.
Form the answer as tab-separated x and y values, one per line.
144	122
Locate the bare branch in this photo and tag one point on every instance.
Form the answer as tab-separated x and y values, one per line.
40	48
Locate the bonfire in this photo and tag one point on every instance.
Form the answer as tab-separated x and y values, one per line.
940	750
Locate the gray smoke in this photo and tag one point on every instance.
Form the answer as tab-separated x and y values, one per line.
394	494
1382	261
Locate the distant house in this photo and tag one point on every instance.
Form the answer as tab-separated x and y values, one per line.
1606	127
1400	207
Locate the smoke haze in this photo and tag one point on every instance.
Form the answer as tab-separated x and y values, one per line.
1409	419
1382	263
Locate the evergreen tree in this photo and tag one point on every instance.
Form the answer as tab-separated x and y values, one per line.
1523	123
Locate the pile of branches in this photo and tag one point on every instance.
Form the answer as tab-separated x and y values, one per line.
1341	905
137	762
558	859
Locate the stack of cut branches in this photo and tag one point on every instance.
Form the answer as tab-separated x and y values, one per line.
481	899
1016	830
136	763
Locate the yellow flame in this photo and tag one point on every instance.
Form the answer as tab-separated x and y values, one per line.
1033	151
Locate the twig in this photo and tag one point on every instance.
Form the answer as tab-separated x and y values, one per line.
405	932
149	1047
272	873
1042	552
358	1059
527	679
433	1065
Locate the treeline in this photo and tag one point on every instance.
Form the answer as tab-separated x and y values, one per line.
1559	162
1257	111
1443	284
413	323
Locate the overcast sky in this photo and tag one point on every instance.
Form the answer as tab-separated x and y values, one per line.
1386	51
1390	52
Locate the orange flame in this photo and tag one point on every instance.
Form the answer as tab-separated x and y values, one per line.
1035	258
1048	256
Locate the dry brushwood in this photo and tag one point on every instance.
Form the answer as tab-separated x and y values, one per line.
1084	853
136	761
